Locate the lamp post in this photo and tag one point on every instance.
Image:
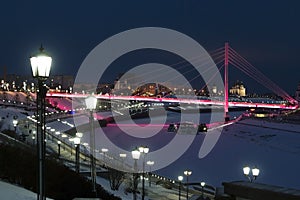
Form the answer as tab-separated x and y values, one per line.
58	146
64	139
255	173
40	65
143	150
50	137
104	151
150	163
91	103
202	188
180	178
187	173
123	157
15	123
77	146
135	155
33	137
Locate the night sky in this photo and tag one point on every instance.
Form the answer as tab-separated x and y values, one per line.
266	33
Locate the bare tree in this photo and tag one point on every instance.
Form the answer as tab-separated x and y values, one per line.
116	178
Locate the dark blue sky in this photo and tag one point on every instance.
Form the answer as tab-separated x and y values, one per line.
265	32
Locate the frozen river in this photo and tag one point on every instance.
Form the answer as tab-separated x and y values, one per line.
272	147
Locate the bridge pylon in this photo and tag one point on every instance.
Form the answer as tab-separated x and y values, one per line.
226	116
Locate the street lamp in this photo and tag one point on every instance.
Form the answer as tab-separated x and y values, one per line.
135	155
123	157
33	137
150	163
180	178
15	123
255	173
187	173
41	65
77	146
104	151
58	150
202	188
143	150
91	103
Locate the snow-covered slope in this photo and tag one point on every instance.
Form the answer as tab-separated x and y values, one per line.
12	192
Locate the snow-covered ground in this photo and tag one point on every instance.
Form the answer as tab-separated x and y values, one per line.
155	191
13	192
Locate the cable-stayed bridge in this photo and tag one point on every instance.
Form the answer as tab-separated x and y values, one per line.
223	57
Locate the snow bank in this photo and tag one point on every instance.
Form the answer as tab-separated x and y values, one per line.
12	192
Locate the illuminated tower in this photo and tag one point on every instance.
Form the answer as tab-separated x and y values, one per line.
226	81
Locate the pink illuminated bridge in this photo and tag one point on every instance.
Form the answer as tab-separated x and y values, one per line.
177	100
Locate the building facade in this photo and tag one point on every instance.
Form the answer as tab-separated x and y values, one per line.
238	89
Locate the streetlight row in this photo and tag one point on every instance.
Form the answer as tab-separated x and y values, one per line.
76	140
188	173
